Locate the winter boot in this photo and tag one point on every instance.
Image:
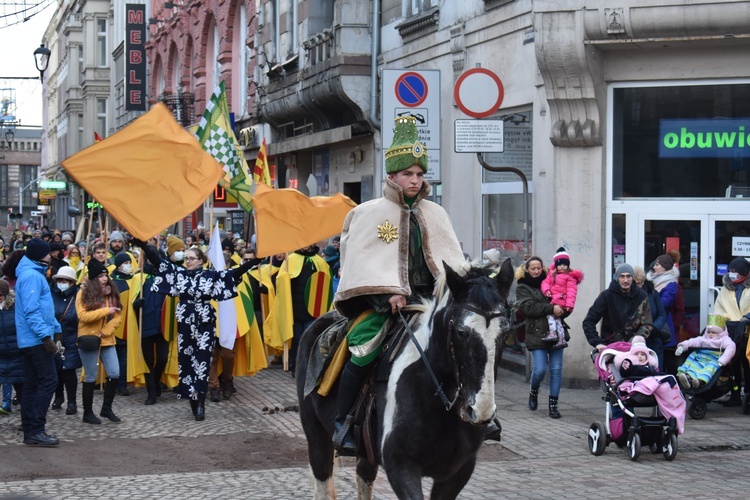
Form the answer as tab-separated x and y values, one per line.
109	396
194	406
87	394
59	396
551	336
150	388
200	407
350	383
553	413
71	387
561	341
533	401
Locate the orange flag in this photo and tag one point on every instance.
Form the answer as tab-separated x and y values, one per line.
288	220
148	175
261	174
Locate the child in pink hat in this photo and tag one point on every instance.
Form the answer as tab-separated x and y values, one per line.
561	287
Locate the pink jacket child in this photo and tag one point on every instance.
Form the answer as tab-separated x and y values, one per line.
561	284
561	287
713	338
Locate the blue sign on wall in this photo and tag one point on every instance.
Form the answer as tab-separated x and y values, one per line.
715	138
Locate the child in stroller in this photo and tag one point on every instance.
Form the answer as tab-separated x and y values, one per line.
643	389
700	375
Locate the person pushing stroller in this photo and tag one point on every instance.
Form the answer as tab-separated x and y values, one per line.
717	350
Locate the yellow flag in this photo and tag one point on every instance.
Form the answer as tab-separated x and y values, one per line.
148	175
288	220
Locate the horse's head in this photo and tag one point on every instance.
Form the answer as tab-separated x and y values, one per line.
475	319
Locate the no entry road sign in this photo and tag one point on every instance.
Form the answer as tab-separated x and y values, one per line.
478	92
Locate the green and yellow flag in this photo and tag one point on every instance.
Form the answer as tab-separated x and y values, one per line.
216	136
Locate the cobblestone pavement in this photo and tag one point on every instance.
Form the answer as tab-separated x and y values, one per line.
551	456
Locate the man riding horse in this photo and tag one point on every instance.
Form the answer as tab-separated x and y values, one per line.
392	249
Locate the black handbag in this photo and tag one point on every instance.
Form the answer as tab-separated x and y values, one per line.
89	343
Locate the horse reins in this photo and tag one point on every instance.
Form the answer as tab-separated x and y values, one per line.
439	388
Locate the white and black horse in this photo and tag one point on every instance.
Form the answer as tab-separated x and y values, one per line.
416	434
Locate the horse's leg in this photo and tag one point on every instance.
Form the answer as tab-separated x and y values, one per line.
320	454
449	488
406	479
366	474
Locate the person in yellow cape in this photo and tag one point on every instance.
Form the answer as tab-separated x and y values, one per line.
247	357
263	282
303	292
128	341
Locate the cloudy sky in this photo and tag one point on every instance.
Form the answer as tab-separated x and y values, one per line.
17	59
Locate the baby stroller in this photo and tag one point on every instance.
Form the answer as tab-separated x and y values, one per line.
718	385
622	424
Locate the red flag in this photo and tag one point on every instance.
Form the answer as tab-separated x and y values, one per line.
261	173
97	137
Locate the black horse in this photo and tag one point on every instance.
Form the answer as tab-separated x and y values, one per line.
415	433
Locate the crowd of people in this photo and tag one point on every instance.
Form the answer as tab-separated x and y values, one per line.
114	312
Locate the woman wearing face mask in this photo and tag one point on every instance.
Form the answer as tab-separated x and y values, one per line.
733	302
64	290
196	317
98	306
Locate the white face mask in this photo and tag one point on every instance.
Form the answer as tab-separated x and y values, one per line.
732	276
178	256
63	286
127	268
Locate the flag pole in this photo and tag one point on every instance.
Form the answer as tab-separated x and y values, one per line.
88	234
286	342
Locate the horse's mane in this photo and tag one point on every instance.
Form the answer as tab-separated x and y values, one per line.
476	272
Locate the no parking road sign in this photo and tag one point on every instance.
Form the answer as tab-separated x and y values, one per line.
411	89
408	92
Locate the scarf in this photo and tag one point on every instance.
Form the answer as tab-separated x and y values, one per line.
663	279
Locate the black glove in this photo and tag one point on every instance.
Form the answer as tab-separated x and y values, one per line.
138	303
152	255
49	346
238	272
138	243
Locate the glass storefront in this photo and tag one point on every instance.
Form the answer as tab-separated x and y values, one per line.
688	141
679	176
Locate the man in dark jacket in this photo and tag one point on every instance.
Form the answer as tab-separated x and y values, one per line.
623	309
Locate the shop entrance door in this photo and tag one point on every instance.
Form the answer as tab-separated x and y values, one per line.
729	237
690	238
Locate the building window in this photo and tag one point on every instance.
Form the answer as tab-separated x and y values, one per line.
28	175
502	192
101	117
681	141
4	185
101	42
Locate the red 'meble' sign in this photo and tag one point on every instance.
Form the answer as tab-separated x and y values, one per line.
135	57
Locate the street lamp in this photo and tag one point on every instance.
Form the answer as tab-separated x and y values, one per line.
41	59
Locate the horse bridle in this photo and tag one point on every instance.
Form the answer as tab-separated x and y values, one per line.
449	404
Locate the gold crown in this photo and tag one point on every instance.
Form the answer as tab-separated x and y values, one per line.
717	320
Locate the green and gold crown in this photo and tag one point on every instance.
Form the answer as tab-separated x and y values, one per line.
406	150
717	320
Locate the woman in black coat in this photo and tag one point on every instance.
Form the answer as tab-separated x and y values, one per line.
64	290
11	359
536	307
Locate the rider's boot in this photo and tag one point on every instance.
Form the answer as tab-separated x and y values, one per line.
350	383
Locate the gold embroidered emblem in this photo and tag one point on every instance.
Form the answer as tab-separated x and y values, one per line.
387	232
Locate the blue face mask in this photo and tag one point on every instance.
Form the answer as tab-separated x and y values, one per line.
63	286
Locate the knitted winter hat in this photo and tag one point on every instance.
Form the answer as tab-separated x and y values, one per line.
406	150
665	261
116	236
561	257
96	268
174	244
37	249
739	265
121	259
624	268
639	347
